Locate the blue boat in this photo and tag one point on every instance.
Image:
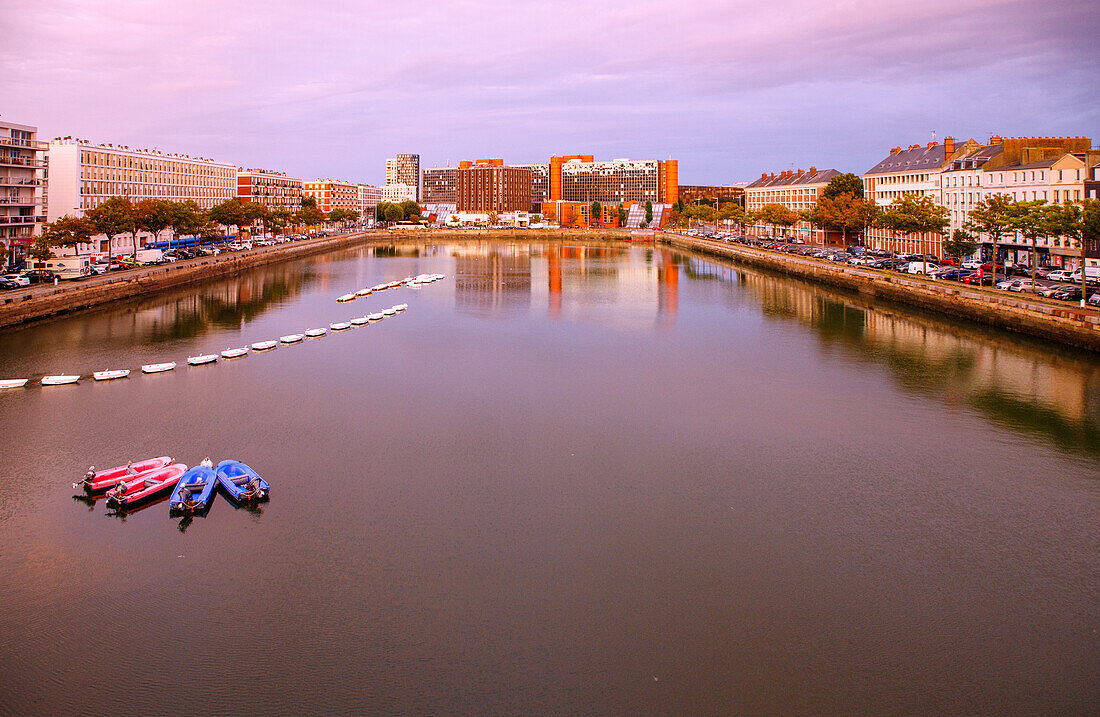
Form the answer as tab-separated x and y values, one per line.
240	483
194	491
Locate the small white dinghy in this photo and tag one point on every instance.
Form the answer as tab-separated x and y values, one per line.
364	292
236	353
401	307
110	375
158	367
393	284
264	345
345	297
379	287
201	360
389	312
59	380
13	382
340	326
374	317
291	338
359	321
315	333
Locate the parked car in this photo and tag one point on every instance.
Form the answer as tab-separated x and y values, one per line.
1027	285
39	276
100	267
1069	293
921	267
17	279
1094	300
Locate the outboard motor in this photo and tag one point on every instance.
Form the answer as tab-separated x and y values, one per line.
254	490
87	477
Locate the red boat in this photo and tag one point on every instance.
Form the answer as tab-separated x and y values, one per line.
148	485
95	482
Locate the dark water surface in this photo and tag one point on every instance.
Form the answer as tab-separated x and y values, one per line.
569	480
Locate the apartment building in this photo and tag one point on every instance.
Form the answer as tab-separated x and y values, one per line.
704	194
274	190
82	175
489	186
439	185
370	197
795	190
22	205
914	171
618	181
397	193
404	169
540	184
333	194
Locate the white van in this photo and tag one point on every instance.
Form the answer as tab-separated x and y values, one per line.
150	256
66	267
1092	275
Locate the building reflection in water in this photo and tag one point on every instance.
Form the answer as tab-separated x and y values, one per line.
1015	382
492	277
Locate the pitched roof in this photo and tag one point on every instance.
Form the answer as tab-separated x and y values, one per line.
908	160
975	158
821	176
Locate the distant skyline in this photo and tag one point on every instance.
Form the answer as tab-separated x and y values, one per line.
729	88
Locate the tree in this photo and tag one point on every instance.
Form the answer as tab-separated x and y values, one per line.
909	215
1034	220
113	217
337	215
622	215
153	216
66	231
1078	222
843	184
410	210
648	212
844	212
991	217
596	213
229	213
187	218
961	244
309	202
494	218
280	219
778	215
393	213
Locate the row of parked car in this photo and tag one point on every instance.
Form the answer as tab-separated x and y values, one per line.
1052	283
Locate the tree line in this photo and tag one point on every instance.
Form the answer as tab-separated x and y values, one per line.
119	216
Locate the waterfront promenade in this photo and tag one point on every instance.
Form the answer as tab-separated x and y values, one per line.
1021	313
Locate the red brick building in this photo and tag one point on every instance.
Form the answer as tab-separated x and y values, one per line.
488	185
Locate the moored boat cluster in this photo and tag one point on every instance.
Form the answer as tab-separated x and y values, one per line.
258	346
138	484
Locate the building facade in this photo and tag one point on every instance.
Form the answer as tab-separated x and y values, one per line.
439	185
619	181
700	194
797	191
404	169
81	176
488	185
370	197
397	193
914	171
274	190
540	184
333	194
22	202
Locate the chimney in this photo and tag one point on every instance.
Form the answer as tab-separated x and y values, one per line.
773	175
800	172
813	170
996	139
763	175
931	144
949	145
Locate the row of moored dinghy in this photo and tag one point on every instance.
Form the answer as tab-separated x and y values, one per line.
230	353
414	282
134	484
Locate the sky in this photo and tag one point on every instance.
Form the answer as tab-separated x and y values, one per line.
731	89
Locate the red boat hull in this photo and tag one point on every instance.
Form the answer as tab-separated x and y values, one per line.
146	486
109	478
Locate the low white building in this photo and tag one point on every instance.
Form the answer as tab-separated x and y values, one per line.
397	193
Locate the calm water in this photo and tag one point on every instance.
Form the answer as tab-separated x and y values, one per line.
569	480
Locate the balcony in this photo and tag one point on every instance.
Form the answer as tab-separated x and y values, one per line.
16	182
9	142
17	220
6	161
18	202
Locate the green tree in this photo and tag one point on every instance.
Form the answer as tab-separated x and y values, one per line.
229	213
622	215
153	216
909	215
596	213
393	213
188	218
337	215
842	212
778	215
961	244
494	218
66	231
648	212
280	219
1035	220
843	184
991	217
309	202
410	210
113	217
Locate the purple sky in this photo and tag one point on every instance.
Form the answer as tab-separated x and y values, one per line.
730	88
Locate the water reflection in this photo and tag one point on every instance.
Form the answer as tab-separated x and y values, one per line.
1044	391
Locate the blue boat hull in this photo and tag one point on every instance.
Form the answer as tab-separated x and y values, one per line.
240	483
194	491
